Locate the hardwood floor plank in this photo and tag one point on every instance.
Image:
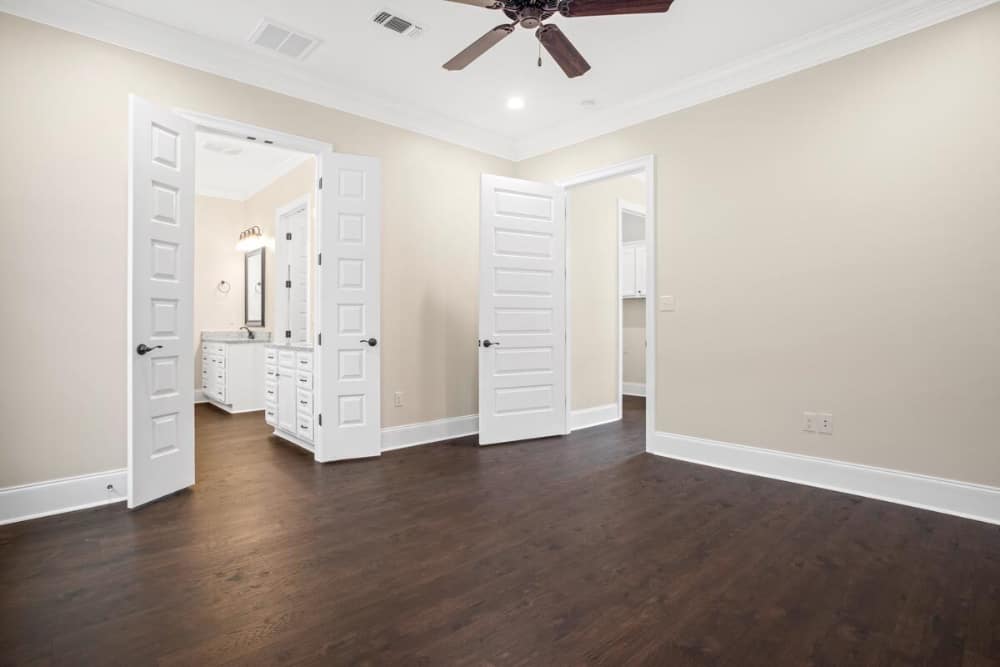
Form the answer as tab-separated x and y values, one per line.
574	550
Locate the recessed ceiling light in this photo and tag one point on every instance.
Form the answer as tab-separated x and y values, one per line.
588	104
515	103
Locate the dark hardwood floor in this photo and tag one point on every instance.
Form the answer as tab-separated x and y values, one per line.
571	550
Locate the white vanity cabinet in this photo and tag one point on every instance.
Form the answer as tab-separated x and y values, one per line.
231	372
288	389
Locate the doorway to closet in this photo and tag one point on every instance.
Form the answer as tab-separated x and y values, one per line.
567	288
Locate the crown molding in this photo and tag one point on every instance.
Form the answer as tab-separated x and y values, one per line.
830	43
137	33
106	24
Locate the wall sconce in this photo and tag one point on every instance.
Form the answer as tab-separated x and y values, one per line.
251	239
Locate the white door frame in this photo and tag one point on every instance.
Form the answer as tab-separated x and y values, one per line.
624	206
245	131
643	165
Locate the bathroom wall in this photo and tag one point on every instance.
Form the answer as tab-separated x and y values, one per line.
218	223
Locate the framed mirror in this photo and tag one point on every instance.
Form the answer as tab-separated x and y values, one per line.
253	288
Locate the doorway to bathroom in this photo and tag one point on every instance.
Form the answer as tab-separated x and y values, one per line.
207	268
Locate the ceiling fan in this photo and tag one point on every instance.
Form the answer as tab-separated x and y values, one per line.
531	14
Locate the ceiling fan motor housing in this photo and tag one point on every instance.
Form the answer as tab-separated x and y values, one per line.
530	13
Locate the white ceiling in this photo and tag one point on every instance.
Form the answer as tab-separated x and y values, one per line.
240	169
643	66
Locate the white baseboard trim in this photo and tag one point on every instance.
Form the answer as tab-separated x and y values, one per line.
33	501
602	414
423	433
634	388
970	501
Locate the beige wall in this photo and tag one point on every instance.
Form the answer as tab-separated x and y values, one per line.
63	204
832	240
218	223
592	239
634	341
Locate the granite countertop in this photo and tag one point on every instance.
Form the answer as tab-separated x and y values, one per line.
235	337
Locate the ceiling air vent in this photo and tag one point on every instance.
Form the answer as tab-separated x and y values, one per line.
391	21
278	38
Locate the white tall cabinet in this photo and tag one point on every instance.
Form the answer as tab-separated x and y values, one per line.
633	268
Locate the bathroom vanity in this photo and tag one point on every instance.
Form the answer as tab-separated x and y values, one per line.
232	366
288	393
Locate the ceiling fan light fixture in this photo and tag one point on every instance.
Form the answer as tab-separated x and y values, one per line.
515	103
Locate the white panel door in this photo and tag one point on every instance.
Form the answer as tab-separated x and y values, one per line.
628	265
640	270
350	301
160	303
522	310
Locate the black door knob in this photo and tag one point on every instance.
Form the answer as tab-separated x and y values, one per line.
144	349
489	343
371	342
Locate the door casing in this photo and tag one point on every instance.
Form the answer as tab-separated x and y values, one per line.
642	165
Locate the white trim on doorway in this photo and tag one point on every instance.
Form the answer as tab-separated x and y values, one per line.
642	165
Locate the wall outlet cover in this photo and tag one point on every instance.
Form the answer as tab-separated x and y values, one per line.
825	423
668	304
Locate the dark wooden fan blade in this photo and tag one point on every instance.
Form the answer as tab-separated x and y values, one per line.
609	7
479	47
562	51
488	4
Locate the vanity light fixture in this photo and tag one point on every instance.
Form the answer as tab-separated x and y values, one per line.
251	239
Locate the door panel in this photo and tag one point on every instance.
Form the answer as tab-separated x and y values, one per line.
160	303
349	297
522	300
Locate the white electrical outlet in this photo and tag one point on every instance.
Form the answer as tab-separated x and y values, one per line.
398	399
809	422
825	423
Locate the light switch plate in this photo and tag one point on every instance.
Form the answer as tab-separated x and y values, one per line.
668	304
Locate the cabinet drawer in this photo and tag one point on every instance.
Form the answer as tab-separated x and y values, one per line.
304	361
217	380
304	426
304	401
271	392
286	358
217	348
270	373
218	393
304	380
217	361
270	415
270	355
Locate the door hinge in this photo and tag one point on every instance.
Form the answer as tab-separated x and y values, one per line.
288	236
321	419
321	183
288	284
288	334
319	259
319	339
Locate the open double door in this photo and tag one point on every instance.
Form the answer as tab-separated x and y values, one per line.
161	336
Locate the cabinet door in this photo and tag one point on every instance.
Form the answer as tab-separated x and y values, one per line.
286	400
628	271
640	270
